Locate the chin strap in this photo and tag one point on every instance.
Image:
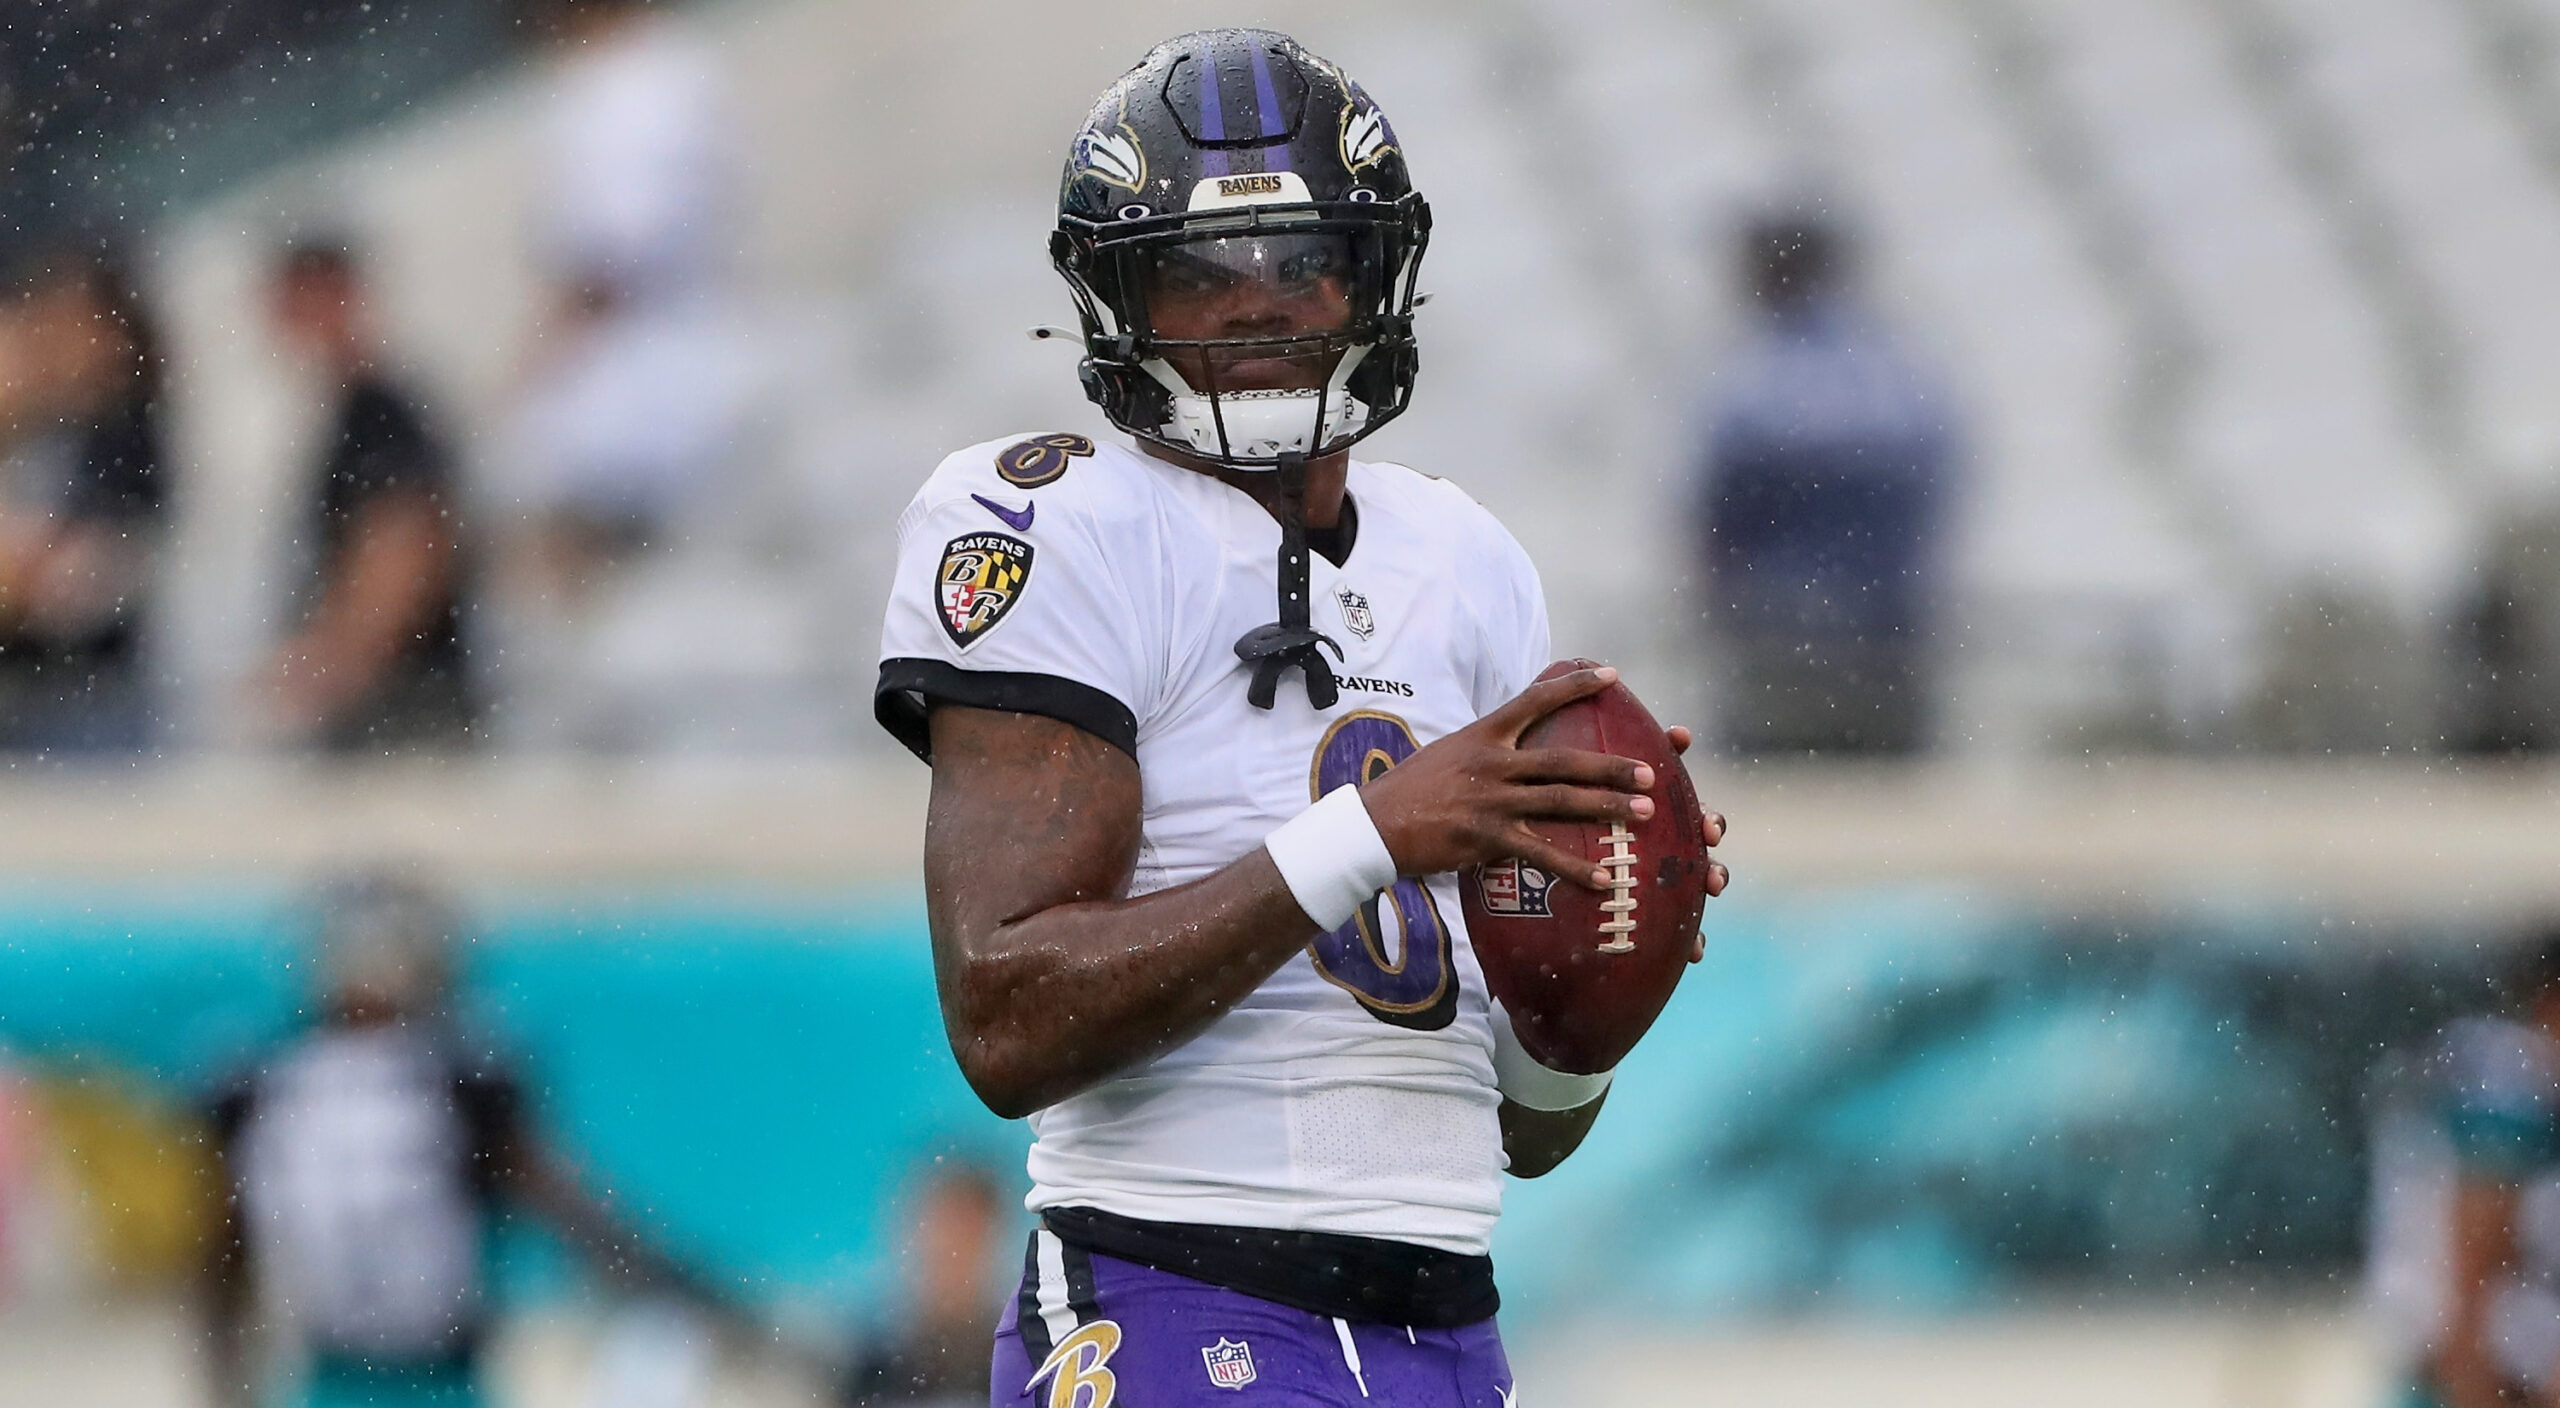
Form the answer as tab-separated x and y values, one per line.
1290	641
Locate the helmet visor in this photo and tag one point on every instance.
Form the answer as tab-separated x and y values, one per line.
1265	310
1309	276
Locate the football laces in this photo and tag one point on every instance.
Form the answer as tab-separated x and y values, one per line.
1621	904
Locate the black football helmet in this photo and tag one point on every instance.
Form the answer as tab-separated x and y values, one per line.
1228	157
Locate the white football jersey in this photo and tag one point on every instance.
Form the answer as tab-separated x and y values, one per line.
354	1173
1353	1091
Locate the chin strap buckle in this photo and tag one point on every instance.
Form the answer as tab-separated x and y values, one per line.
1290	642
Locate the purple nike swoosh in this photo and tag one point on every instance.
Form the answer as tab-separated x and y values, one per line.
1019	520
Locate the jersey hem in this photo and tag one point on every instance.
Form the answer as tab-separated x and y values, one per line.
902	701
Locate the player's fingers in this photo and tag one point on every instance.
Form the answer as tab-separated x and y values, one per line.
1580	766
1557	801
1717	878
1680	738
1698	947
1556	860
1545	697
1715	828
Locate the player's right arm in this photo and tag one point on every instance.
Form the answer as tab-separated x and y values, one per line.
1052	979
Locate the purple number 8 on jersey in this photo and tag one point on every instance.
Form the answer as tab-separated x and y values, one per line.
1418	989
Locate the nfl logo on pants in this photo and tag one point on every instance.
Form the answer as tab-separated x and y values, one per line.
1230	1363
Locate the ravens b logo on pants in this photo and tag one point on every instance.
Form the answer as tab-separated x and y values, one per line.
1076	1369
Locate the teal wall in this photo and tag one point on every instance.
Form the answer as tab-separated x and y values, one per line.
1896	1099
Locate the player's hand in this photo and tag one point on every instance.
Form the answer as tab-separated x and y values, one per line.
1468	798
1717	876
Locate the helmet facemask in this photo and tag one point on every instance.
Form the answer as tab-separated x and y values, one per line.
1240	336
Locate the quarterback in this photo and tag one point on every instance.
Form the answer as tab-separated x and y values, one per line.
1214	716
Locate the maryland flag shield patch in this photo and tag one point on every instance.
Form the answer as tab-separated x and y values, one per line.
982	576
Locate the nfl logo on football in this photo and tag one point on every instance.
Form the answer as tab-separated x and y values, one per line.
1230	1363
1512	887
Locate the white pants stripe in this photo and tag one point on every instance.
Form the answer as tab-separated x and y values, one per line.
1053	1287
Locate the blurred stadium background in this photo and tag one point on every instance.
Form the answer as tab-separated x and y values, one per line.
2033	1066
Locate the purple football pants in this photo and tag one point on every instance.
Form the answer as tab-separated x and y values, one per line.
1092	1331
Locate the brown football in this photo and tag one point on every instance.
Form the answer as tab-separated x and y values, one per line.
1584	973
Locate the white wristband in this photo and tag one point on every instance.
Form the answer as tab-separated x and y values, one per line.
1332	857
1523	1081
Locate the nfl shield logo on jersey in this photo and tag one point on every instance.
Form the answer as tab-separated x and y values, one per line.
1355	612
982	576
1230	1363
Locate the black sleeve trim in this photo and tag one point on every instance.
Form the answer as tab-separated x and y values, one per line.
909	685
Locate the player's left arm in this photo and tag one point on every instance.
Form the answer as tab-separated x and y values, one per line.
1536	1140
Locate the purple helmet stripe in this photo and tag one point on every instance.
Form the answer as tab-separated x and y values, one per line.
1275	157
1213	115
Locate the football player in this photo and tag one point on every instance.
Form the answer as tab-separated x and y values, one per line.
1214	719
362	1167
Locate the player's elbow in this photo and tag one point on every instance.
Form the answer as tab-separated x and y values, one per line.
1001	1068
1019	1046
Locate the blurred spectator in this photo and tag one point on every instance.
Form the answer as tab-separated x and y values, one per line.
83	496
2479	1309
632	434
642	172
2510	645
362	1165
937	1358
1824	488
637	402
376	661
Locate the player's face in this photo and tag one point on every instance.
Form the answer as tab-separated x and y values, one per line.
1260	287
